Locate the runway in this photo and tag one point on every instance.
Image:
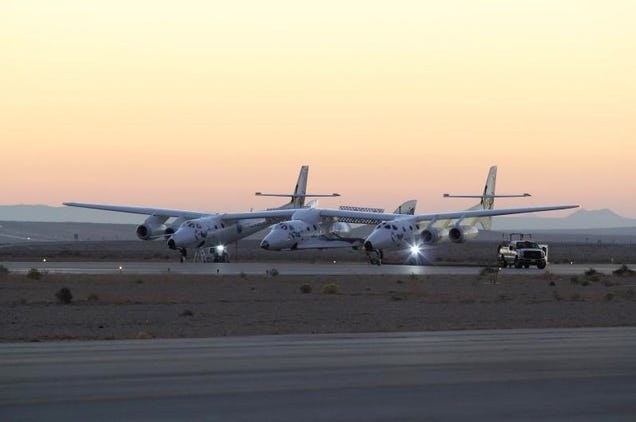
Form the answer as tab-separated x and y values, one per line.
565	374
261	268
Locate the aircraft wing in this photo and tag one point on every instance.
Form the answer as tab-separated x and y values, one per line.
488	213
346	216
267	214
140	210
371	217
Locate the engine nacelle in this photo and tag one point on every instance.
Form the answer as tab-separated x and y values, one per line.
432	235
152	228
460	234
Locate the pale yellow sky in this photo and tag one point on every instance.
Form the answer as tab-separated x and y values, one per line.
197	104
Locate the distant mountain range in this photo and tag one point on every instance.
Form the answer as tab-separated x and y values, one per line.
581	219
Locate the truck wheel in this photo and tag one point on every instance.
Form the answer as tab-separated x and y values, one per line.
541	265
517	263
526	265
502	262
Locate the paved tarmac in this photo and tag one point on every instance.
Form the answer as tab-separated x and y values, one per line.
260	268
547	374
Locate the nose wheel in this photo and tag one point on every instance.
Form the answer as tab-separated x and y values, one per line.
183	254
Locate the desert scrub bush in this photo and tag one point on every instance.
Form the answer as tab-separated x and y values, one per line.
242	275
609	296
305	288
64	296
186	312
3	270
331	289
273	272
592	275
623	271
35	274
93	297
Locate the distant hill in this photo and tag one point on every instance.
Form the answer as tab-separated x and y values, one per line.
581	219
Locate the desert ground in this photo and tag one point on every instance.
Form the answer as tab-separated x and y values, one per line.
123	306
172	305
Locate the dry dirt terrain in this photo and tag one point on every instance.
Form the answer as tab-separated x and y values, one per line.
171	305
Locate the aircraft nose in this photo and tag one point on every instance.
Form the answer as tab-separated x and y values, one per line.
265	244
368	246
172	244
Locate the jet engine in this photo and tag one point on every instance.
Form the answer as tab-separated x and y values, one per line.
432	235
460	234
152	227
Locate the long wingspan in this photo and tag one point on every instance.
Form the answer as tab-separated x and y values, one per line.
140	210
352	215
374	217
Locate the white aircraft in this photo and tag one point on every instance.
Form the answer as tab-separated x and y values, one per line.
395	230
309	230
191	229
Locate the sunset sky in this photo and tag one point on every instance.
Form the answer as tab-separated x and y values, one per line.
198	104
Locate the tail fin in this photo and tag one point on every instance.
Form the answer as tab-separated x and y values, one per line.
488	198
407	208
300	191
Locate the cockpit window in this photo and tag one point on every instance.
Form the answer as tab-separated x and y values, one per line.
283	226
387	227
394	228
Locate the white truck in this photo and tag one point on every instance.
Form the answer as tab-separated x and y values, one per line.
522	253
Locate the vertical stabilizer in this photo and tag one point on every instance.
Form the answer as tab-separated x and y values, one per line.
300	191
407	208
488	198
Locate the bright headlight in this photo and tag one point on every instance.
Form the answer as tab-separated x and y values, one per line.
220	249
415	249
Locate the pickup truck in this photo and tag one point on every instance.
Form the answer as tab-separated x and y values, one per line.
522	253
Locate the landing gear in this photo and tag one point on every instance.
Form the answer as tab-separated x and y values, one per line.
183	254
221	257
375	257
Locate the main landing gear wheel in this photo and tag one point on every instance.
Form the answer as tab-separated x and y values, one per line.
375	257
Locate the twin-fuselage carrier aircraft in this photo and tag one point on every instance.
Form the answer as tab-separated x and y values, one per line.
318	228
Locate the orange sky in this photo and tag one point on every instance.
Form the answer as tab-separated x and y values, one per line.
197	104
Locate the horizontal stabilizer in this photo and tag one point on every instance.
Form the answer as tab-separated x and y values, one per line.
292	195
520	195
